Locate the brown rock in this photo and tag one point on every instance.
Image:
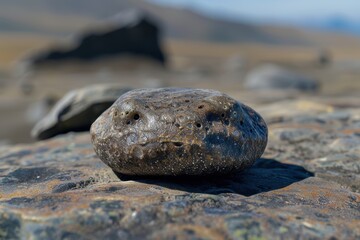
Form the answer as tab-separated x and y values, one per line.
59	189
175	131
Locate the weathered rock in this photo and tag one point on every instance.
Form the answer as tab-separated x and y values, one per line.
134	33
323	138
77	110
59	189
271	76
175	131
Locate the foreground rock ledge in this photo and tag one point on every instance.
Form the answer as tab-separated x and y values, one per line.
59	189
178	131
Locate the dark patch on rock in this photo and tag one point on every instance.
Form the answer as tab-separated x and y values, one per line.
10	226
15	155
136	34
20	201
49	232
175	131
38	202
30	175
113	189
72	185
77	110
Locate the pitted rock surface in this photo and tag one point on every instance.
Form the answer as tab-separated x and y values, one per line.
175	131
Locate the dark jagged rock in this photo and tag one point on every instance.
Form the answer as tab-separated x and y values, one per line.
175	131
77	110
135	34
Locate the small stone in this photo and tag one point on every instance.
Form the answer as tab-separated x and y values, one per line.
176	131
77	110
273	77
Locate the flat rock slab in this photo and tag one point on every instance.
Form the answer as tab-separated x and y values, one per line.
59	189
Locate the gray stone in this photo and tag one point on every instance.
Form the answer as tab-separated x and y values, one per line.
175	131
271	76
77	110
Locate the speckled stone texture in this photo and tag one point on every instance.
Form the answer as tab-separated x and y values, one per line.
177	131
305	187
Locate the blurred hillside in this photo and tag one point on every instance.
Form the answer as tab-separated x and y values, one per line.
61	18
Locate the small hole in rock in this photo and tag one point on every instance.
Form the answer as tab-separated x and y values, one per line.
201	106
178	144
115	114
136	116
241	122
128	122
187	100
226	122
198	125
223	115
177	125
126	112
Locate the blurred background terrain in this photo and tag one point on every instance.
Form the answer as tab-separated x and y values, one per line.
306	49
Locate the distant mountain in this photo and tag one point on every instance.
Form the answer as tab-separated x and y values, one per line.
336	23
68	17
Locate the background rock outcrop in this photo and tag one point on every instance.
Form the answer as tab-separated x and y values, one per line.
131	33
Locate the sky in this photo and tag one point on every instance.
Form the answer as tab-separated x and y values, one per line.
274	10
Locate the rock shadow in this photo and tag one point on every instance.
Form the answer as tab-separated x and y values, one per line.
265	175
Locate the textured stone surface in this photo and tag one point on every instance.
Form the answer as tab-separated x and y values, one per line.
323	138
176	131
77	110
59	189
270	76
305	187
